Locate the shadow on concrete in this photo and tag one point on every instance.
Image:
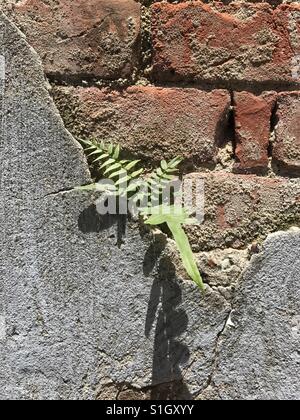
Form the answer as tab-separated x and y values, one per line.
91	221
164	312
170	322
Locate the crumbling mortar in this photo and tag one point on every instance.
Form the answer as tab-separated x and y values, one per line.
146	47
143	77
273	3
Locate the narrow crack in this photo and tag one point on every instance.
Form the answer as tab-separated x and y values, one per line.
216	352
273	123
62	191
119	388
232	124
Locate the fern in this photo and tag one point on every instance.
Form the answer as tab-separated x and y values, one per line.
107	160
110	166
161	178
121	172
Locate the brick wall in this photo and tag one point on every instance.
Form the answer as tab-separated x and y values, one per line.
217	83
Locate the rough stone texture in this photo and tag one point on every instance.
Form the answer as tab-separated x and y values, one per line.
286	147
149	122
257	43
7	5
242	208
258	353
82	38
253	129
69	279
222	268
26	105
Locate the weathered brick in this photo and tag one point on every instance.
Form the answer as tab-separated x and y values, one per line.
83	38
150	122
286	147
252	128
225	43
240	209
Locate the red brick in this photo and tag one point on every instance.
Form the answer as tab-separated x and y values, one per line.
86	38
242	208
252	128
286	148
150	122
218	43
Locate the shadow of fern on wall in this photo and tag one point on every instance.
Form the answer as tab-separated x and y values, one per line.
170	322
164	313
91	221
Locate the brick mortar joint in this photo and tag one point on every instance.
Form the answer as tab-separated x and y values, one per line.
273	3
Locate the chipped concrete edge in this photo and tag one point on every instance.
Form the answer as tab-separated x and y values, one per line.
46	89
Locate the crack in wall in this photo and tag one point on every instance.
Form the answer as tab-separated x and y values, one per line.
59	192
216	353
127	391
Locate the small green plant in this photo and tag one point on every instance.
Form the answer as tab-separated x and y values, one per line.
125	180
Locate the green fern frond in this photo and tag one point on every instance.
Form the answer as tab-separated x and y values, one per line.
166	171
122	173
108	162
162	177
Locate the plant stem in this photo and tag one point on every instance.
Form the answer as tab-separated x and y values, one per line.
186	253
